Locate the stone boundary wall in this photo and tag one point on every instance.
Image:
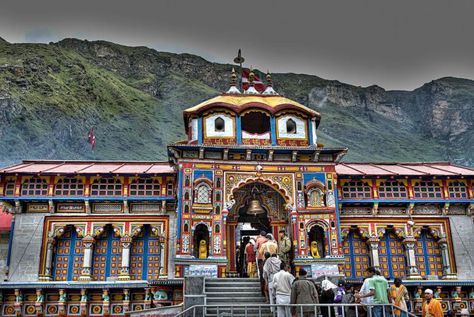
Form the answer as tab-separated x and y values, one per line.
462	231
26	248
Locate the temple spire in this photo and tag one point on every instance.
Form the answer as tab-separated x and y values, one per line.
233	83
269	90
251	90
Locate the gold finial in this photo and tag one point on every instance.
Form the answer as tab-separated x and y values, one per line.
233	78
269	79
251	76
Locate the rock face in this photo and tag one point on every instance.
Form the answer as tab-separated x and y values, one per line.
51	95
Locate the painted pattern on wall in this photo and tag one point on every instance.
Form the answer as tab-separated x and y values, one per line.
68	257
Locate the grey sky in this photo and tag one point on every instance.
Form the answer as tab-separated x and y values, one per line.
394	44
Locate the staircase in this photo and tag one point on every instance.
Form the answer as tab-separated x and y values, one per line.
234	291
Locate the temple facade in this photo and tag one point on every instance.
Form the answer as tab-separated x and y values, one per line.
102	238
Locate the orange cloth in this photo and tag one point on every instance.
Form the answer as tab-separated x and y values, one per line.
398	295
260	240
433	309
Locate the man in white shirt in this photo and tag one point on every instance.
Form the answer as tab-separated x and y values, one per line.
282	282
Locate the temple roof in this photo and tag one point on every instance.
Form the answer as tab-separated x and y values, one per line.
241	102
160	167
405	169
89	167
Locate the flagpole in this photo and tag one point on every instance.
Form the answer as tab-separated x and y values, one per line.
239	60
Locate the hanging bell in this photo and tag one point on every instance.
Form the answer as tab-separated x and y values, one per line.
255	208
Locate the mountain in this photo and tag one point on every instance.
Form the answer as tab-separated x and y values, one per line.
133	97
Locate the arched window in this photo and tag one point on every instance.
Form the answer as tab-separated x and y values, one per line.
427	189
457	189
69	256
187	180
69	187
10	188
392	189
217	229
186	208
428	255
107	256
145	187
202	194
290	126
218	209
218	182
186	195
219	125
34	187
218	196
145	256
392	256
315	198
357	258
106	187
356	189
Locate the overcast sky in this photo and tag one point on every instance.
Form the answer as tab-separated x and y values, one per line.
398	44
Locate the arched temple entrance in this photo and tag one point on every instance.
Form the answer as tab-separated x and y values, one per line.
244	223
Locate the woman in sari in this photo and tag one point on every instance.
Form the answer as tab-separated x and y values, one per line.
399	296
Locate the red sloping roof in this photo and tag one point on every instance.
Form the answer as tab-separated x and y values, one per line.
407	169
5	221
89	167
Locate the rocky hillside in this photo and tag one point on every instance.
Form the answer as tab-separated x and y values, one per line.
52	94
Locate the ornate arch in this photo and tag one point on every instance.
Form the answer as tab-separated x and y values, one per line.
209	228
362	231
398	231
58	229
435	232
98	229
282	183
320	223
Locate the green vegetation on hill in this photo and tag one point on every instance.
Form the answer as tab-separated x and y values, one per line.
133	97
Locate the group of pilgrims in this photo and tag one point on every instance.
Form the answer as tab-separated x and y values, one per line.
270	261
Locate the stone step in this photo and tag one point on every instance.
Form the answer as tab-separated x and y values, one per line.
213	289
236	301
231	293
231	284
239	311
234	279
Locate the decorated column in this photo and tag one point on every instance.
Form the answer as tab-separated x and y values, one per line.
443	245
225	213
83	303
413	273
39	302
106	302
126	242
88	243
126	300
374	251
62	303
49	259
18	302
147	298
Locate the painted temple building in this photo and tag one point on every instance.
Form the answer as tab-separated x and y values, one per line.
102	238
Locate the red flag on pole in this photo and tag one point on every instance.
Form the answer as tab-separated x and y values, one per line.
91	138
257	83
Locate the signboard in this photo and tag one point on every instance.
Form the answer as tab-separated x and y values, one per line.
201	270
37	207
324	269
64	207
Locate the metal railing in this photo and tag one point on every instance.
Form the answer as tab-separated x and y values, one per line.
263	310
